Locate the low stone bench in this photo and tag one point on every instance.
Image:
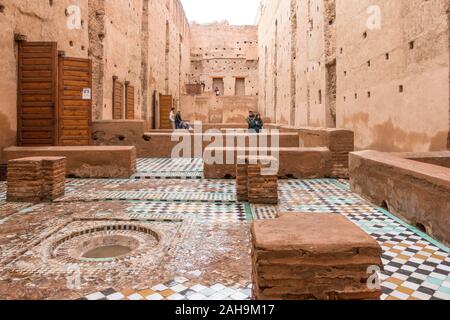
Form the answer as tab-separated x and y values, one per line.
85	162
313	256
299	163
160	144
254	185
36	179
416	192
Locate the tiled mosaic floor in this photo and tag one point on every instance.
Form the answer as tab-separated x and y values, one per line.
415	266
177	289
169	169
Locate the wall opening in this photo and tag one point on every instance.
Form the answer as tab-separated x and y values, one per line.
240	87
218	83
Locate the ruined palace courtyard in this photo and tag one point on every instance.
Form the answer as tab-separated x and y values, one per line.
202	246
257	151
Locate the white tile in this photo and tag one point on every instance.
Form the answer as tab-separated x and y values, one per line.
419	276
410	285
227	292
421	296
217	296
160	287
430	285
218	287
178	288
197	296
390	268
115	296
135	296
438	276
425	267
445	268
155	296
442	295
181	279
175	296
239	296
446	284
198	288
400	276
389	285
95	296
399	295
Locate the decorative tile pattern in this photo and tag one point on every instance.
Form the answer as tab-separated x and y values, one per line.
169	169
176	289
200	212
415	267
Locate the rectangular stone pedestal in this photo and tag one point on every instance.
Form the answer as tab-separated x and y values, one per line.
255	183
36	179
313	256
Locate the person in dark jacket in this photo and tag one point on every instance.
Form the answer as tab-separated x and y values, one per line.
178	120
259	123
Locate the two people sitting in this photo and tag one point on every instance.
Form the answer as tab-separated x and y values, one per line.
255	122
176	121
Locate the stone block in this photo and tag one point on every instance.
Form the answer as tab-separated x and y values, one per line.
415	191
253	184
312	256
36	179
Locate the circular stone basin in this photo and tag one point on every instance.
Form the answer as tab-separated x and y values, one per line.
107	252
106	242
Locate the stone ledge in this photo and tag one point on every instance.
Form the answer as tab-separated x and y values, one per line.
416	192
85	162
312	256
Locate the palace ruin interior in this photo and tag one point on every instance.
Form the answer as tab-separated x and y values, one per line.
355	100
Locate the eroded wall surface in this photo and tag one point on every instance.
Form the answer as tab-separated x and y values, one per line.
220	50
393	78
126	39
37	21
379	68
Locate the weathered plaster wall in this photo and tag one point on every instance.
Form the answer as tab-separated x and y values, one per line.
38	21
389	84
121	50
212	109
123	38
169	50
297	62
220	50
393	82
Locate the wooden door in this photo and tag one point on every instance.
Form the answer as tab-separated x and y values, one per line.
117	99
129	102
165	105
75	101
37	94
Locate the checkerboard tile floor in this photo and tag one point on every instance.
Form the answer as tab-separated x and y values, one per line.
201	212
169	169
176	289
415	266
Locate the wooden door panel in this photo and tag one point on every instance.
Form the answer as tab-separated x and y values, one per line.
165	106
129	102
37	94
75	113
117	99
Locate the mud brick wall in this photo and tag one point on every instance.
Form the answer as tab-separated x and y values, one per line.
25	180
36	179
416	192
327	260
242	179
261	189
340	142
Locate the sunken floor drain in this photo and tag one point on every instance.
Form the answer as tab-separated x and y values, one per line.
105	242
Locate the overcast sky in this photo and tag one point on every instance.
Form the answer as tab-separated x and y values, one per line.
235	11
